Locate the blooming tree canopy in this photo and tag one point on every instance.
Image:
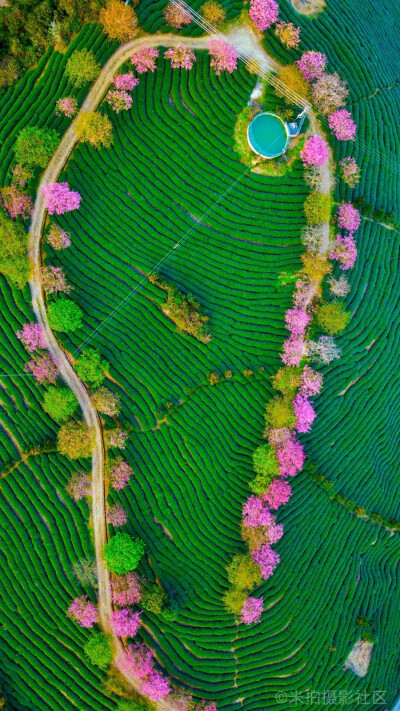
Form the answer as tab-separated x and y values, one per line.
329	92
324	350
15	202
223	56
156	686
305	414
126	589
58	238
348	217
181	57
312	65
54	281
297	321
32	336
350	171
67	106
176	16
344	251
79	486
59	198
255	513
116	515
119	473
290	457
125	82
251	610
119	100
144	60
267	559
136	659
293	351
125	623
119	20
263	13
315	151
277	494
43	369
83	611
288	34
342	125
311	382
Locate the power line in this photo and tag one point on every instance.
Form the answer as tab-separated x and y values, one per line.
275	81
158	264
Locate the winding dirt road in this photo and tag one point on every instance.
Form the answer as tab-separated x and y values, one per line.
50	175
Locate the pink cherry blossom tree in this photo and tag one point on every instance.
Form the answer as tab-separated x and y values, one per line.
279	437
277	494
15	202
302	294
32	336
342	125
263	13
267	559
144	60
288	34
136	659
296	321
311	382
176	15
119	474
293	351
251	610
116	515
348	217
290	458
223	56
59	198
155	687
329	93
79	486
350	171
255	513
54	280
67	106
126	589
312	65
83	611
116	438
125	623
43	369
305	414
119	100
344	251
315	151
125	82
58	238
181	57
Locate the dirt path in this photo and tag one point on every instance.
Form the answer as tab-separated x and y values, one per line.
245	39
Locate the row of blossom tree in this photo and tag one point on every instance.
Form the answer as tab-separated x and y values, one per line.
291	412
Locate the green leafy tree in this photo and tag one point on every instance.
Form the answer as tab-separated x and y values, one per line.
153	599
35	146
122	553
60	403
280	413
99	649
266	466
243	573
333	317
64	315
82	67
74	440
287	380
128	705
317	208
90	367
234	599
13	251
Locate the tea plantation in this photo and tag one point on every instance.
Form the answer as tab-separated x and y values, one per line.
173	178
